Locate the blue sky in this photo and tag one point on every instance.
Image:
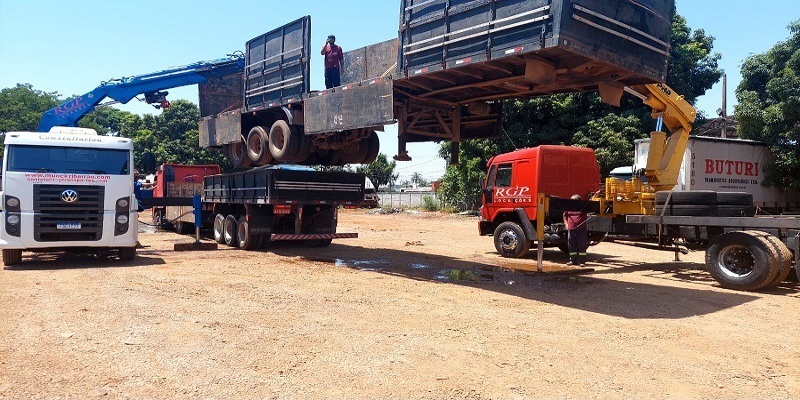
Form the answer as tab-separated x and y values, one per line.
70	47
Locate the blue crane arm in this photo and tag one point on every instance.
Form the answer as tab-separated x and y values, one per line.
124	90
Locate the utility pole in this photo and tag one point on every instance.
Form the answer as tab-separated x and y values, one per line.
724	106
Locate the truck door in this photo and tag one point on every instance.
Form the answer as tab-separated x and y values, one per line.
498	183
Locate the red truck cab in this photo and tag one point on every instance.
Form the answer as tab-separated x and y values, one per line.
179	180
515	179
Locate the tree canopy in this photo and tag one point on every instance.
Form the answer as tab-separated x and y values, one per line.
170	136
769	107
380	171
581	119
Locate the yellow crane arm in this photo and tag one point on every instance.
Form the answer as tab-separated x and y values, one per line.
666	152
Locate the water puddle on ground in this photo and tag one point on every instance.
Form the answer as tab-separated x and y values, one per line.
361	265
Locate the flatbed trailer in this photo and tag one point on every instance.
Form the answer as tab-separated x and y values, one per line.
744	253
252	208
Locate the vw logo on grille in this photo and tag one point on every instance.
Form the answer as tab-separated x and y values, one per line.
69	196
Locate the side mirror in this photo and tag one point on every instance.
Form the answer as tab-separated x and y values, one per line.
149	162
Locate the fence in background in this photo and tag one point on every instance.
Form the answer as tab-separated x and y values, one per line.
405	200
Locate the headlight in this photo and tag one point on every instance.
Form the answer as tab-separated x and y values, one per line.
122	219
13	219
122	203
12	202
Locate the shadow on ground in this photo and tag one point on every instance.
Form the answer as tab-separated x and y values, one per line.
586	292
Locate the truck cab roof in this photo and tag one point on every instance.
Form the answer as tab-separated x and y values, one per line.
68	137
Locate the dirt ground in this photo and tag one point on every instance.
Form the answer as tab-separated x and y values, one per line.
381	316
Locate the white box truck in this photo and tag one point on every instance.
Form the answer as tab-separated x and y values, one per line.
726	165
67	189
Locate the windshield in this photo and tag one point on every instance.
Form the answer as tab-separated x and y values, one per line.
73	160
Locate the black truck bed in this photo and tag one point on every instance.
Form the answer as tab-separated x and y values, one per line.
284	185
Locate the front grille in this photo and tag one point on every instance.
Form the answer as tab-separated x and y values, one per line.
50	210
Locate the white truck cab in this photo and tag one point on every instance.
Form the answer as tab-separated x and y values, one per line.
67	189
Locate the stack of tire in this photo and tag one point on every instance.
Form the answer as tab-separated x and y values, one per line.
704	203
284	143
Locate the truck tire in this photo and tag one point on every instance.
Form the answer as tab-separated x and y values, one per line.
724	210
742	261
245	239
510	240
12	256
158	219
258	146
219	228
127	253
304	147
735	199
237	152
230	228
785	258
183	227
283	141
374	146
686	210
362	151
692	197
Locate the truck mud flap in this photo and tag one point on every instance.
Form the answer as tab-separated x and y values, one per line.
313	236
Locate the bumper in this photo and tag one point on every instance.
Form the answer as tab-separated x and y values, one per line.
313	236
108	239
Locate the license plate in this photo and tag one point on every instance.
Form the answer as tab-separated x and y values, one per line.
68	226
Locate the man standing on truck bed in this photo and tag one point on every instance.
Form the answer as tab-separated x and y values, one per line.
578	239
333	62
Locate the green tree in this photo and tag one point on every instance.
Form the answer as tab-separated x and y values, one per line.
22	106
582	119
172	137
380	171
111	120
769	107
418	180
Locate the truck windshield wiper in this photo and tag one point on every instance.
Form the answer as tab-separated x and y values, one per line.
45	170
90	171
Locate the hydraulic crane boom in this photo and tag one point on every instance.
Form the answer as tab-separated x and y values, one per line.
666	153
151	85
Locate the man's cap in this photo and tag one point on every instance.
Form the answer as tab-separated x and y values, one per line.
332	37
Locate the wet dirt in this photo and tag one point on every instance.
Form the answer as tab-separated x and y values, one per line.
419	306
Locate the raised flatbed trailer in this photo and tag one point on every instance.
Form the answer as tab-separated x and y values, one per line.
252	208
444	78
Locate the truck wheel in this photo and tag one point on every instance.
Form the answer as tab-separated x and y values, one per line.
373	147
510	240
258	146
127	253
230	228
785	257
246	240
237	152
219	228
183	227
158	219
12	256
283	141
742	261
692	197
735	199
304	147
